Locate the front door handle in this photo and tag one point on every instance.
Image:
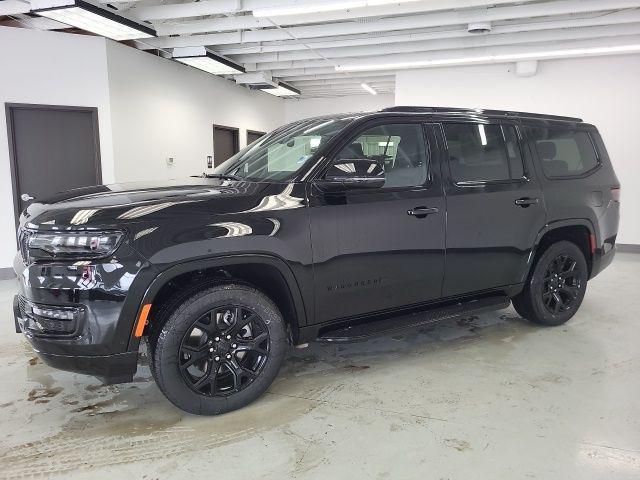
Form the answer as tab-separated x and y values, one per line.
526	201
421	212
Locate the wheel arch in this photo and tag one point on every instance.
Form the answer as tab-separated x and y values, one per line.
577	230
267	273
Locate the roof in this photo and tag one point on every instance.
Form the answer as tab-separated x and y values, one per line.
476	111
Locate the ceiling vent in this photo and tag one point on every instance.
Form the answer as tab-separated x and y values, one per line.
479	27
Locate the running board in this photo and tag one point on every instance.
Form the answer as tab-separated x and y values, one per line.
363	331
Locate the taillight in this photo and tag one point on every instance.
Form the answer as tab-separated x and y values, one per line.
615	194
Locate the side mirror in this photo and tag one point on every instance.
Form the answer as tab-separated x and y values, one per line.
353	173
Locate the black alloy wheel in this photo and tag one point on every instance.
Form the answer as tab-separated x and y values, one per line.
562	284
224	350
556	285
217	348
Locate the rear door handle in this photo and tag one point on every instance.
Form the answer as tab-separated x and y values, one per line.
421	212
525	202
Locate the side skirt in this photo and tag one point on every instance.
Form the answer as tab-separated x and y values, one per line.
361	331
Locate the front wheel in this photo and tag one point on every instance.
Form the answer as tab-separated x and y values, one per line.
556	286
219	350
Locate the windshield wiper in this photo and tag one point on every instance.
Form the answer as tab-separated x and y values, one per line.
220	175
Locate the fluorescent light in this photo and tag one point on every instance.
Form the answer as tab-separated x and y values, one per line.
368	88
318	7
282	90
95	19
510	57
203	59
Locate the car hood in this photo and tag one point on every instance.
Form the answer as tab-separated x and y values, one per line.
113	205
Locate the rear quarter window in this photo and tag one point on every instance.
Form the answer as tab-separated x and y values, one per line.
565	152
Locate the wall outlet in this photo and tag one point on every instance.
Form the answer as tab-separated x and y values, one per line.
170	161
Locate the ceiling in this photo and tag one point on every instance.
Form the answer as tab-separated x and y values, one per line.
327	50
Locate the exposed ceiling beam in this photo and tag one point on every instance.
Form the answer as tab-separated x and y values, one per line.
428	49
388	78
401	9
356	90
353	82
561	7
297	72
222	7
616	18
484	55
222	24
336	76
289	59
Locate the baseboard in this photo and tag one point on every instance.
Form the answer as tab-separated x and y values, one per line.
6	273
628	247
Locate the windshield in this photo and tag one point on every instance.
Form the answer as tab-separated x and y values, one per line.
280	154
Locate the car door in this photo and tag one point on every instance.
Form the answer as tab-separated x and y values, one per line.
383	248
495	206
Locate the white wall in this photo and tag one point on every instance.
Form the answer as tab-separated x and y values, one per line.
313	107
160	109
603	91
149	108
55	69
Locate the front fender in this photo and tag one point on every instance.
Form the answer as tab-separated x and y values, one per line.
158	279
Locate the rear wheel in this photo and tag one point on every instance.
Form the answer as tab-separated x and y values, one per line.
556	286
219	350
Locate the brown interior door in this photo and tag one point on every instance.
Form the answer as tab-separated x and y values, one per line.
226	143
253	135
52	149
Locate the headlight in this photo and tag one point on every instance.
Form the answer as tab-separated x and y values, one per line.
74	244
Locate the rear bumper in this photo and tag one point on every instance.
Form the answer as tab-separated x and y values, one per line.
602	259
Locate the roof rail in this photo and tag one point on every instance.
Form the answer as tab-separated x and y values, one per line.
478	111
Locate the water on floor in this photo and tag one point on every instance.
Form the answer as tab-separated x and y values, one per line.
490	396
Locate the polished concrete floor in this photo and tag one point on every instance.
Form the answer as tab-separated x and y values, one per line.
488	397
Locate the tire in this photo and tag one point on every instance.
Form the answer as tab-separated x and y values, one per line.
556	286
219	349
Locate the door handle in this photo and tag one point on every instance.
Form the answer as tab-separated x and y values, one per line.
421	212
25	197
526	201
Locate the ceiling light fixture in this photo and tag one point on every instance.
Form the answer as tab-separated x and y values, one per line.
92	18
281	90
203	59
319	7
369	88
501	58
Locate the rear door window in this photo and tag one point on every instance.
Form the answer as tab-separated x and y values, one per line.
564	152
480	152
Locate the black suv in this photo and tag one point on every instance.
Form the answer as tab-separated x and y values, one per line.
331	229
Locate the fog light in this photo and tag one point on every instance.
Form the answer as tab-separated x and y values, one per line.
48	319
55	313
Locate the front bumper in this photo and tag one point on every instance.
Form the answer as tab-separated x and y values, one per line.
99	343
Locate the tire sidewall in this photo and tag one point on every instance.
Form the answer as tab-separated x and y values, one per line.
166	352
536	286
